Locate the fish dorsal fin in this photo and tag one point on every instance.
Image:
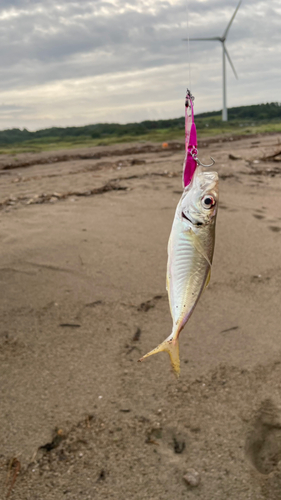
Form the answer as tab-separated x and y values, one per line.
190	234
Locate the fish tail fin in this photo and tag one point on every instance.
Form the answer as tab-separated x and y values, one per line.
171	346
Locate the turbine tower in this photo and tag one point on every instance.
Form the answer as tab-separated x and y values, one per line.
225	54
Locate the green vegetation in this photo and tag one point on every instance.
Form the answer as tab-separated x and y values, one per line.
258	112
242	120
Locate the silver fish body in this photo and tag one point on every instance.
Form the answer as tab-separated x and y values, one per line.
190	255
191	247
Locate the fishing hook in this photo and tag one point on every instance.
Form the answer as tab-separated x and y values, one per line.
194	156
206	166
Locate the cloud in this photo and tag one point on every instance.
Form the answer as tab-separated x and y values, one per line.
82	62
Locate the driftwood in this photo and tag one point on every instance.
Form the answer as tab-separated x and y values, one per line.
274	157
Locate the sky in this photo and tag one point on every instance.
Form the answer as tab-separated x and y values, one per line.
71	63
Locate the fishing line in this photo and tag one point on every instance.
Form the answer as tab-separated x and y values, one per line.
188	52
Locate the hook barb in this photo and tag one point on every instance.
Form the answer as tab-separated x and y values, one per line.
195	157
206	166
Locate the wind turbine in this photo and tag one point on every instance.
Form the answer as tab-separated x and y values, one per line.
222	39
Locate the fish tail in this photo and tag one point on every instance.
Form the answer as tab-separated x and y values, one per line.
171	346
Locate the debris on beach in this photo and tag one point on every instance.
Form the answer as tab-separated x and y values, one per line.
192	478
231	156
37	199
273	157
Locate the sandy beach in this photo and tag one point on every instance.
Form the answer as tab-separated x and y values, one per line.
83	265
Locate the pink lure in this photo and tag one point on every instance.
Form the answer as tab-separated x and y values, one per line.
190	163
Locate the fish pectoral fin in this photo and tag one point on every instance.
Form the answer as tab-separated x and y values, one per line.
172	348
197	244
208	279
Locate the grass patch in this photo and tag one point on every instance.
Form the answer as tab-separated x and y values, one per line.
206	127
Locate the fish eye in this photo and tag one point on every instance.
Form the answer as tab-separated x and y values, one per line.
208	201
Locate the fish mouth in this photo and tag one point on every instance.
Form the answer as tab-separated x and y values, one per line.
191	222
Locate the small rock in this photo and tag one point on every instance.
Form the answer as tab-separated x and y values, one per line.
192	478
234	157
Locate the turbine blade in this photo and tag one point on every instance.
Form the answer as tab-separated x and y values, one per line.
230	62
231	20
196	39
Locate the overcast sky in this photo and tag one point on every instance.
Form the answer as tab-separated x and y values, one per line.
67	62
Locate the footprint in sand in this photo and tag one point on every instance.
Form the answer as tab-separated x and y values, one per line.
171	442
263	443
275	229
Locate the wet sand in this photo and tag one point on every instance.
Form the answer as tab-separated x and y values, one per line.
83	261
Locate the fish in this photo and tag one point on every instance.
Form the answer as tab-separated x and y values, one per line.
190	255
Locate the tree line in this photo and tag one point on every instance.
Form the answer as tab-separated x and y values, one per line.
257	113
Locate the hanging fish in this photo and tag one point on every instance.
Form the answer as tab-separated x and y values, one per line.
190	253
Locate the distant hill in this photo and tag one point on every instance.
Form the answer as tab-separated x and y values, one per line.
257	113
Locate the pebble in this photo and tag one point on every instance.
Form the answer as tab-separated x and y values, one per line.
192	477
234	157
